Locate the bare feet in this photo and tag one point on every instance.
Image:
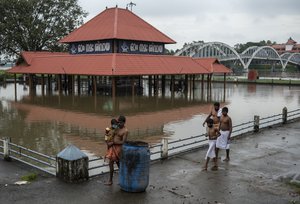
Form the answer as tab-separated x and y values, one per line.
204	168
226	159
109	183
214	168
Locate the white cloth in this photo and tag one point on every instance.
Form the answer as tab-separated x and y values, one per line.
222	140
219	113
211	153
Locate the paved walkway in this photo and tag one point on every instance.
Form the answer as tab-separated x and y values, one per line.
264	168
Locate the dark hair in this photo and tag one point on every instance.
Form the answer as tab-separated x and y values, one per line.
210	121
225	109
122	119
113	121
217	104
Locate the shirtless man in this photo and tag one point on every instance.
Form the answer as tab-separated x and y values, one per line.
114	152
215	114
225	130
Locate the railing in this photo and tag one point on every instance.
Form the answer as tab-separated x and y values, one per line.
174	147
35	159
159	151
1	147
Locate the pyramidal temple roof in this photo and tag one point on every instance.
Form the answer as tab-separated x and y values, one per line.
117	23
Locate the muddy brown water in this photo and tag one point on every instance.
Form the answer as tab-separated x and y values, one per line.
48	123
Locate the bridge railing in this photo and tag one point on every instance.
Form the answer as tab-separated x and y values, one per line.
167	148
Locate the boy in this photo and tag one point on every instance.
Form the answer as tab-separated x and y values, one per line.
225	131
213	133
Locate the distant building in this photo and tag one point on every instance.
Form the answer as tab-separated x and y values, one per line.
290	46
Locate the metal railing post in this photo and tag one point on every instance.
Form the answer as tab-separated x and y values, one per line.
6	149
284	115
164	148
256	123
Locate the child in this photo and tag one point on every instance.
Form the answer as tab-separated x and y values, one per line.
110	130
109	133
213	133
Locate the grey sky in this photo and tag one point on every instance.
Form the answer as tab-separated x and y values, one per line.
227	21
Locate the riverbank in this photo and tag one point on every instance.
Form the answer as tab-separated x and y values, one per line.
264	168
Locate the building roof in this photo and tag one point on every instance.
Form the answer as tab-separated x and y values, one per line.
117	23
212	65
291	41
112	64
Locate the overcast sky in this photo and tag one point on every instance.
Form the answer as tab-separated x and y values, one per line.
227	21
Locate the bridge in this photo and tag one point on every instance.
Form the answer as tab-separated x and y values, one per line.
226	53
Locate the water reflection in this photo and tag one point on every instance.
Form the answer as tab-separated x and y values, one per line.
47	123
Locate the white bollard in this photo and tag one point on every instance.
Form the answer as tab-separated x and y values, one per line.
6	148
164	148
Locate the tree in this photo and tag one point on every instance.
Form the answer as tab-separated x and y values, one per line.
35	25
241	47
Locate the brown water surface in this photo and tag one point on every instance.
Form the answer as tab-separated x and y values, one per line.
48	123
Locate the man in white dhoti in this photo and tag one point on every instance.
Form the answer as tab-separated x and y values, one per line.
213	133
225	130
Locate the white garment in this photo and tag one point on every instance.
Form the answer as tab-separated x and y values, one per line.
219	113
211	153
222	140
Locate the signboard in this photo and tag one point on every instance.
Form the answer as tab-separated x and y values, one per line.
92	47
136	47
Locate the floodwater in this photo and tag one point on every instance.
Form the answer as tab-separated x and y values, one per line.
48	122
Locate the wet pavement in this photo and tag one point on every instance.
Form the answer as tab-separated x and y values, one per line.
264	168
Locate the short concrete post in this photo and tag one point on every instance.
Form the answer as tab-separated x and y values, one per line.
164	148
6	151
284	115
256	123
72	165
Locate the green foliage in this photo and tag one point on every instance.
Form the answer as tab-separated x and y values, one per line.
34	25
241	47
169	52
29	177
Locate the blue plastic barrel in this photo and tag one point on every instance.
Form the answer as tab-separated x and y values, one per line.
134	166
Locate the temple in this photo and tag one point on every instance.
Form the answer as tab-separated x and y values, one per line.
114	47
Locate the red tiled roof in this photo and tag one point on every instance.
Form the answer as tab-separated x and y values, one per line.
212	65
107	64
29	55
291	41
279	46
117	23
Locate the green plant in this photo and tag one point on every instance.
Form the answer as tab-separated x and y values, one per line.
29	177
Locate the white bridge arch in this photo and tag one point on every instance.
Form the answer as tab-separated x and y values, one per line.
225	52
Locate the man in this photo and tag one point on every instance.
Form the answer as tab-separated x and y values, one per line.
114	152
215	114
225	130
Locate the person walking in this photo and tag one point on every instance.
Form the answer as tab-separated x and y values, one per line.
223	141
213	133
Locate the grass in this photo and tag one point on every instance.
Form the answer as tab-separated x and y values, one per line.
29	177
